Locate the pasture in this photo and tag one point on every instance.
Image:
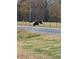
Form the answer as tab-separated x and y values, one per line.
36	46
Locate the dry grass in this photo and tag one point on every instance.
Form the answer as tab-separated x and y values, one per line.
24	23
45	24
35	46
51	24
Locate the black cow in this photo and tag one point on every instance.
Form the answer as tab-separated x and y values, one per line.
40	22
35	23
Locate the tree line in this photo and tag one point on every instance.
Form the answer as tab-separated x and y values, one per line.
44	10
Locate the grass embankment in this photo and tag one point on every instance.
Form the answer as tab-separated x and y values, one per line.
39	46
45	24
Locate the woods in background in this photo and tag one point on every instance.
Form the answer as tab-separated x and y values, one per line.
44	10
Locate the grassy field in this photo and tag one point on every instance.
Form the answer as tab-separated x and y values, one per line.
45	24
36	46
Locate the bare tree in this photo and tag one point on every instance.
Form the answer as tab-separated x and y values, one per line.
42	10
55	11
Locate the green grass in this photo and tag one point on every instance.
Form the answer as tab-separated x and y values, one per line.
41	45
23	36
